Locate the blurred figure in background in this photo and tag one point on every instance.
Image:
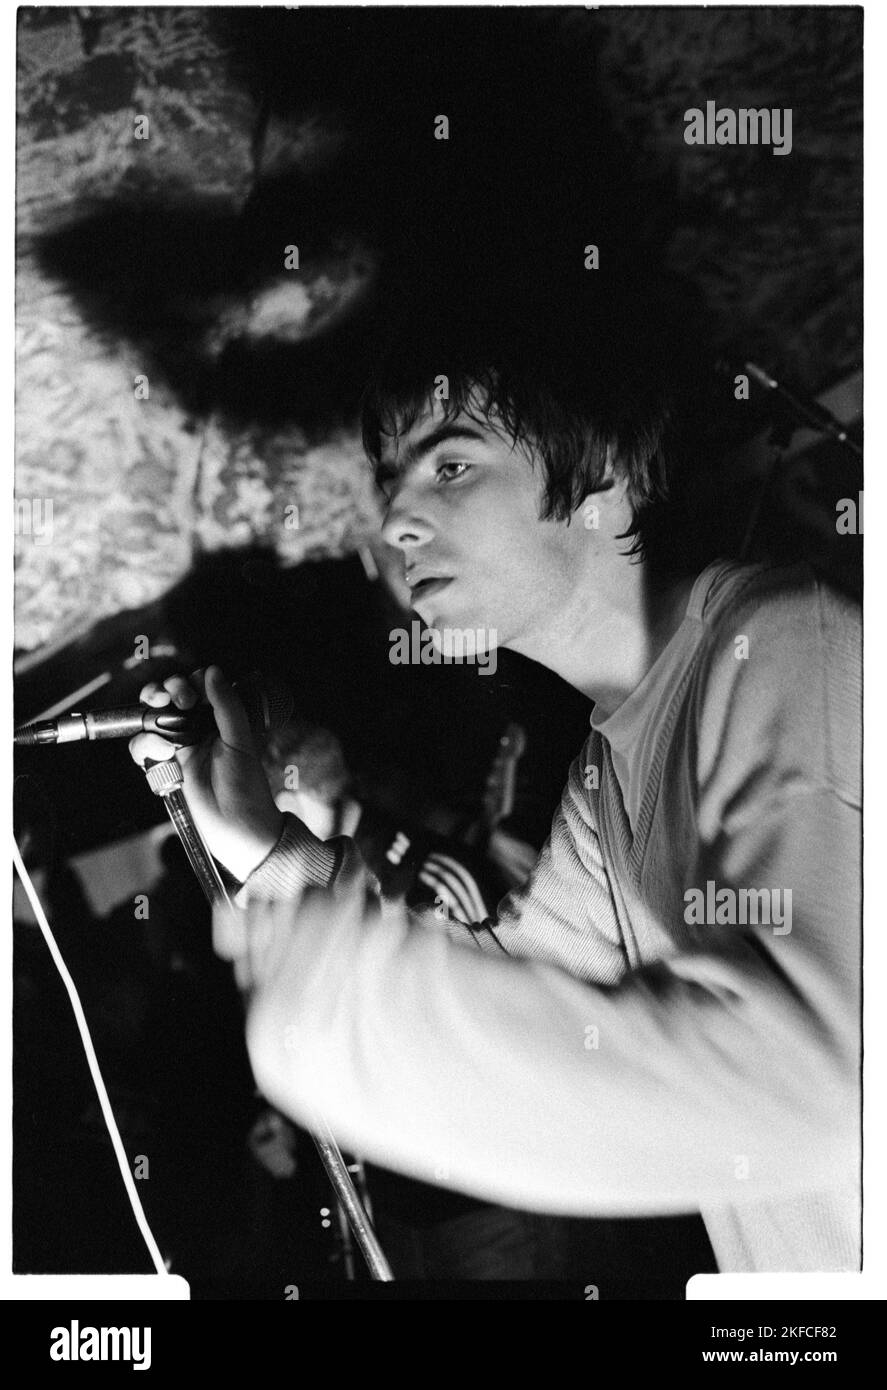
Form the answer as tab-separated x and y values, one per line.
426	1231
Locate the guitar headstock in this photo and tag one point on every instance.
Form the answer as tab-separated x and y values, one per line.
502	779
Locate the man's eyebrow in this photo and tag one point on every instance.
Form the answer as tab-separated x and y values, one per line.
414	452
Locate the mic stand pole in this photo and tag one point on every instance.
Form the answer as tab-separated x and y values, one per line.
165	780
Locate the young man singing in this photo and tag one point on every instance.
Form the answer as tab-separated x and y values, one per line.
665	1018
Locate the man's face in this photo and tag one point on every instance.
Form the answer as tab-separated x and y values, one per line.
463	509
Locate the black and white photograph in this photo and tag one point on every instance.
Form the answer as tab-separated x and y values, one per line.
437	769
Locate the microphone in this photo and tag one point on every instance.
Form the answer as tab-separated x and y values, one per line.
807	410
268	705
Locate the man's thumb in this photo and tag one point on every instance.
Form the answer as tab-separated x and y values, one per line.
230	715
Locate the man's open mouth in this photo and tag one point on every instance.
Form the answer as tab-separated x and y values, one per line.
426	587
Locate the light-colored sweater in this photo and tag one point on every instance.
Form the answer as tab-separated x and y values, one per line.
597	1049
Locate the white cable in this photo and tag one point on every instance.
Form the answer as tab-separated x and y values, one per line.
92	1060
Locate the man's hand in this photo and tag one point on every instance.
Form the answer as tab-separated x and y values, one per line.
224	780
258	937
254	938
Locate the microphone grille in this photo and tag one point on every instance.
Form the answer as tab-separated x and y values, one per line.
268	703
279	705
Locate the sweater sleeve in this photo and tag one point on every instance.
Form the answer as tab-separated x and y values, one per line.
724	1073
298	861
565	901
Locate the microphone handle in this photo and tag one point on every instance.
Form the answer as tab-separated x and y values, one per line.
268	706
184	726
178	725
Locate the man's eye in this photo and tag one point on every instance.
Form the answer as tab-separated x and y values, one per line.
384	477
445	472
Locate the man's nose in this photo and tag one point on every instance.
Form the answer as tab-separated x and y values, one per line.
404	526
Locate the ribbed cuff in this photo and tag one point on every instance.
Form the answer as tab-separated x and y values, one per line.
298	860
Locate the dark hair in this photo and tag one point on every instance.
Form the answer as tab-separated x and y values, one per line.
573	375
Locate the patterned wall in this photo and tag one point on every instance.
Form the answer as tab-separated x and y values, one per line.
129	264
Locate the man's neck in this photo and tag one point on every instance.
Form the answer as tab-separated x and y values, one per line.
610	635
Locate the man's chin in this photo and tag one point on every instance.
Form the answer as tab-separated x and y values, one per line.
453	629
456	642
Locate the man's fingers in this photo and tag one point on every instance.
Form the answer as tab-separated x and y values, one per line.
154	694
184	696
258	937
151	746
269	932
229	928
254	939
231	719
184	692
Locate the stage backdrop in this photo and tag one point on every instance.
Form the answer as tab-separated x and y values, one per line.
134	275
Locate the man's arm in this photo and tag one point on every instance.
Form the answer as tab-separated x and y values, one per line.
565	901
514	1081
723	1074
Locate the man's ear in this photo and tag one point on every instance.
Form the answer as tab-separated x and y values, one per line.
611	475
612	481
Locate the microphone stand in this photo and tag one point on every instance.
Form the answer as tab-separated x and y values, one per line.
165	780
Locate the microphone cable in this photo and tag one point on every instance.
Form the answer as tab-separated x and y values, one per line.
92	1061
